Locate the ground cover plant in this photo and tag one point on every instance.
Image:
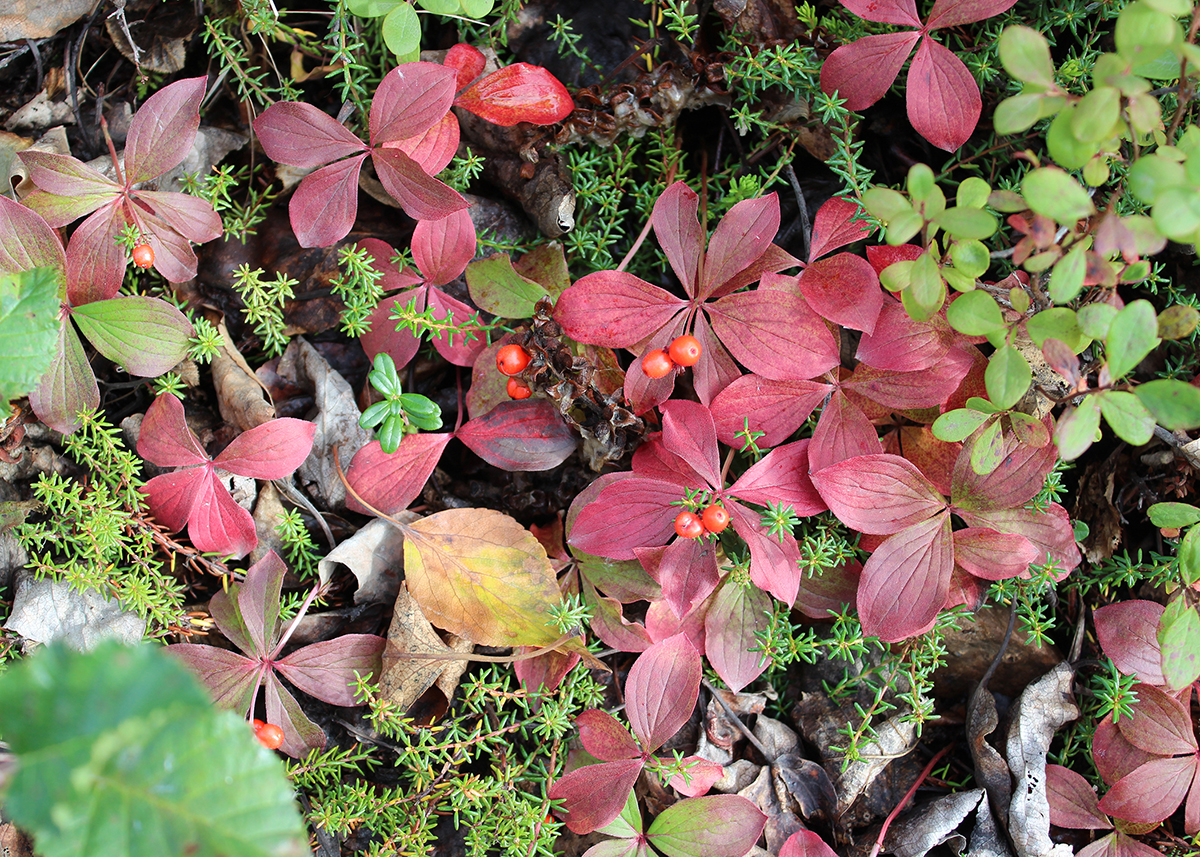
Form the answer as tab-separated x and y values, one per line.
666	429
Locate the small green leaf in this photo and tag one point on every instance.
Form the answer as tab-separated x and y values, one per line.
886	204
1174	404
402	31
1025	55
1077	429
477	8
1066	280
1007	201
1177	515
1054	193
897	276
970	257
927	291
1142	32
1131	336
988	450
1095	114
972	192
1176	213
1096	319
441	7
1179	639
372	8
975	314
903	227
496	287
29	326
1065	148
1057	323
1127	416
1177	321
920	182
966	223
1007	376
1189	555
976	403
1018	113
1152	175
957	424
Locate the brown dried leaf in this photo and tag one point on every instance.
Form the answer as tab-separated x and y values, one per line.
239	392
404	680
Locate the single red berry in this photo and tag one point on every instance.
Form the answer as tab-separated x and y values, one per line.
517	390
685	350
657	364
268	734
715	518
512	359
143	255
688	525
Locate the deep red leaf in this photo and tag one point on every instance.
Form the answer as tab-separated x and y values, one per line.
634	512
776	408
594	795
991	555
781	476
272	450
716	369
842	432
162	131
689	433
1113	755
1012	484
678	232
217	523
773	564
1160	725
805	843
299	134
654	460
773	333
643	392
862	71
1072	801
900	12
898	342
442	248
773	260
906	580
520	436
256	605
952	13
327	669
165	438
943	97
383	337
835	226
882	256
1128	634
323	207
467	61
455	349
845	289
604	737
420	195
741	237
95	262
1049	530
434	149
614	309
518	93
880	494
831	589
300	735
686	569
69	188
661	690
410	100
172	496
702	774
391	482
730	624
1151	792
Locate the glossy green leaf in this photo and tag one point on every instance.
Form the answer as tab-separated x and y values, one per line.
1055	194
1178	515
958	424
885	203
926	291
1025	54
1179	639
402	31
1007	376
958	280
1127	416
970	257
1096	114
29	326
372	8
1057	323
920	184
967	223
975	314
1066	280
977	403
1077	428
1096	171
1132	335
897	276
1174	404
1096	319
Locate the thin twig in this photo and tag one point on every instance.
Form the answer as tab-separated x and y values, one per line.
737	721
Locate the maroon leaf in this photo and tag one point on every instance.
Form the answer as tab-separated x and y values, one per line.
926	388
1072	801
734	617
420	195
432	150
455	349
442	248
900	343
773	563
952	13
327	669
518	93
300	735
835	226
686	569
842	432
323	207
776	408
216	523
805	843
1160	724
272	450
162	131
661	690
253	605
880	494
716	369
906	580
862	72
29	240
774	333
902	12
520	436
781	476
594	795
689	433
1128	634
299	134
228	676
391	482
630	513
95	262
741	237
845	289
1152	792
165	438
172	496
678	232
605	738
1114	756
1012	484
1050	530
943	97
411	99
614	309
991	555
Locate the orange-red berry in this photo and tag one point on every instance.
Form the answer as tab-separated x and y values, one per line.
657	364
715	518
512	359
688	525
268	734
684	350
517	390
143	255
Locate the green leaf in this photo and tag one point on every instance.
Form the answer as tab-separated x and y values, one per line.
1179	639
972	192
1189	552
120	752
1077	428
1178	515
628	824
1065	148
145	336
496	287
1152	175
1057	323
903	227
1007	376
1174	404
975	314
1127	416
1006	201
1131	336
926	291
477	8
402	31
1095	115
886	204
711	826
957	424
988	450
1066	280
1018	113
1025	55
970	257
1176	213
1142	32
29	326
920	183
1177	321
440	7
1096	319
966	223
1054	193
372	8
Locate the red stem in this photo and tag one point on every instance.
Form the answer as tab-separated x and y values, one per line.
907	797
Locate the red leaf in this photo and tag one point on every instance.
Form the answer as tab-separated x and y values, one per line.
686	570
702	774
773	563
880	494
689	433
420	195
228	676
30	242
217	523
842	432
716	369
391	482
249	618
985	553
95	262
1151	792
299	134
781	476
774	333
678	232
926	388
518	93
661	690
594	795
1011	485
1049	530
776	408
323	207
520	436
835	226
906	580
165	438
1128	633
898	342
952	13
272	450
604	737
1114	756
459	352
861	72
410	100
435	148
805	843
327	669
773	260
467	61
69	189
832	589
943	98
614	309
900	12
383	337
442	248
729	633
1160	723
161	133
172	496
844	289
630	513
299	733
1072	801
741	237
882	256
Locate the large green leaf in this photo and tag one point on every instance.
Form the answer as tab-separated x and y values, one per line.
496	287
1174	404
1132	335
145	336
1054	193
28	328
1007	376
121	753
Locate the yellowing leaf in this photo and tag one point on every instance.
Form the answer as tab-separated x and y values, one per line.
479	574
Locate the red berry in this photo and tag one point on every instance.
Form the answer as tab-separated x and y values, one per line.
512	359
143	255
657	364
517	390
688	525
268	734
685	350
715	518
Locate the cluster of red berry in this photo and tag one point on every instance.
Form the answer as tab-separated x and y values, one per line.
511	360
713	519
268	734
683	351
